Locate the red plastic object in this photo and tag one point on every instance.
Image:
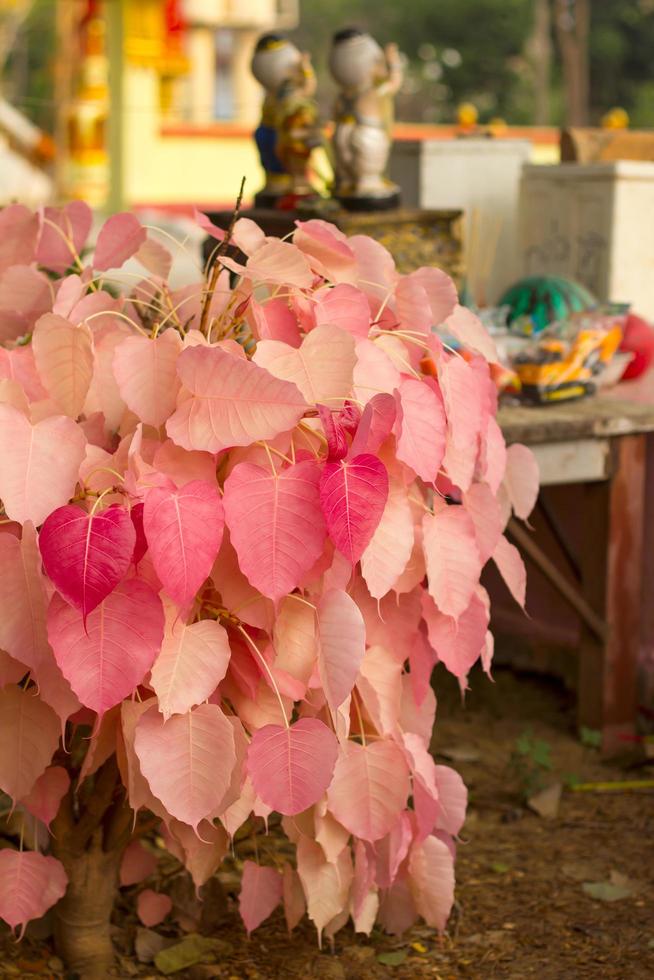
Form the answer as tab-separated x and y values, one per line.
638	339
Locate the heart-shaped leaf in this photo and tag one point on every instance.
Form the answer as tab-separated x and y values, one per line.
46	794
234	402
108	657
87	555
120	237
370	788
431	877
321	367
29	736
275	524
342	639
184	529
291	768
420	428
146	373
40	464
452	556
187	760
30	884
64	357
353	495
261	893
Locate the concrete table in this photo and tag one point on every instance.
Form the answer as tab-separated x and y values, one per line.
601	450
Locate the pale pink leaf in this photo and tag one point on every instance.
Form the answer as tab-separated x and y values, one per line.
376	266
104	394
63	235
344	306
325	885
182	466
204	222
19	231
457	643
452	798
11	671
391	850
452	556
390	547
512	569
184	530
29	736
329	833
53	448
138	789
462	398
412	306
278	263
293	896
439	289
420	428
397	912
261	893
30	884
374	371
248	236
23	600
275	523
47	793
471	332
153	907
137	864
233	403
295	639
25	295
87	555
353	495
274	320
494	454
290	768
370	788
18	365
522	478
192	662
341	639
321	367
64	358
327	249
146	374
481	503
106	659
187	760
155	257
201	852
380	688
120	237
431	877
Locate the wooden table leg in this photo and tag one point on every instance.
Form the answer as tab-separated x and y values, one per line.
614	522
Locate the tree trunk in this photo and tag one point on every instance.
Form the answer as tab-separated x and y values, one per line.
539	48
83	916
572	29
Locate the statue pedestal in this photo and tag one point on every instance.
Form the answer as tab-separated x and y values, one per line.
414	236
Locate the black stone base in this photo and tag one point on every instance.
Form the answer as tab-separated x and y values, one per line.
351	203
267	201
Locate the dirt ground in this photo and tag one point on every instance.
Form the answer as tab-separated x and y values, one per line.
523	908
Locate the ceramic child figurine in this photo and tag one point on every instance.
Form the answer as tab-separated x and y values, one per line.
369	78
288	131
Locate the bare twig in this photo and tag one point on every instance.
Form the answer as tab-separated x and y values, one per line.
216	269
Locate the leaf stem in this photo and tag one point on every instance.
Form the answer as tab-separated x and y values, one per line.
268	672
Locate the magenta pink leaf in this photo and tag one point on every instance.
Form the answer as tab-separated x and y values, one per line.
420	428
335	433
184	529
353	495
137	864
187	760
370	788
140	540
275	524
30	884
342	637
105	661
376	424
120	237
40	463
452	556
234	402
291	768
153	907
29	736
47	793
87	555
261	893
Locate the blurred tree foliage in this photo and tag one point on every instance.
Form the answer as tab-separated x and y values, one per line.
479	51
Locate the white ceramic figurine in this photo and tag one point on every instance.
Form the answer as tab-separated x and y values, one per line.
368	77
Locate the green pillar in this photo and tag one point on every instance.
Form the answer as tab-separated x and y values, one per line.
116	56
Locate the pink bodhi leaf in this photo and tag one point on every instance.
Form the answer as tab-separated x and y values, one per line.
19	230
452	799
486	514
327	248
391	545
294	901
136	865
146	373
64	359
261	893
471	333
370	788
321	367
431	877
87	555
275	524
155	257
420	428
458	644
184	530
452	557
376	424
29	736
105	659
40	464
63	235
275	263
522	478
512	569
192	662
153	907
335	433
343	306
439	290
291	768
341	638
353	495
120	237
187	760
47	793
30	884
234	402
